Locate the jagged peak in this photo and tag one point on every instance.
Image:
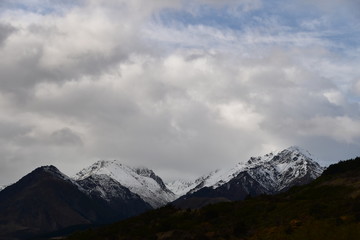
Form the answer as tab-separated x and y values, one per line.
292	162
110	164
143	171
299	150
139	180
99	166
296	152
104	163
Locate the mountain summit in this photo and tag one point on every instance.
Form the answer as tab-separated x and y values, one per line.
141	181
46	201
327	209
269	174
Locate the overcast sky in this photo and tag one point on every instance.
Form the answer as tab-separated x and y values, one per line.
182	87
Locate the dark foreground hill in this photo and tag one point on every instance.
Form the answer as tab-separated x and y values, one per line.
48	202
328	208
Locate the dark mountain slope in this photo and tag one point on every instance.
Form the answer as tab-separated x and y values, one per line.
117	197
46	201
328	208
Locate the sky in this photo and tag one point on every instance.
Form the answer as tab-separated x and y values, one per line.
182	87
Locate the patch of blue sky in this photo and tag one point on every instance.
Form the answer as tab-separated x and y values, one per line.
30	8
38	7
277	17
353	99
227	16
344	40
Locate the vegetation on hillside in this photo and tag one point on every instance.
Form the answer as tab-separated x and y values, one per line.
328	208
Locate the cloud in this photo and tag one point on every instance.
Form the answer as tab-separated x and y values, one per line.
5	32
112	79
356	87
65	136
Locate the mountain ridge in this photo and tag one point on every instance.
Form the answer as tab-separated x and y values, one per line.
269	174
108	191
327	208
141	181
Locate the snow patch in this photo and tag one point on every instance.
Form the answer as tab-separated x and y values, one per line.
141	181
180	187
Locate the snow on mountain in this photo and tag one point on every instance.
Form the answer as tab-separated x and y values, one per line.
141	181
180	187
117	197
2	187
105	187
275	171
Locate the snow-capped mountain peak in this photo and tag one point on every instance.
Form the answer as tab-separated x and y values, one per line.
297	149
141	181
275	171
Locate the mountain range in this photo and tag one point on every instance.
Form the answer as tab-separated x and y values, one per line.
270	174
47	201
327	208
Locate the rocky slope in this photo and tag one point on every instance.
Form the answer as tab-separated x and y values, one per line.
272	173
141	181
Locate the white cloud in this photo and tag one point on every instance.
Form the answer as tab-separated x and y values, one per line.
335	97
238	115
105	79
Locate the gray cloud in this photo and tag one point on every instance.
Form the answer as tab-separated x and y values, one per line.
5	31
104	80
65	136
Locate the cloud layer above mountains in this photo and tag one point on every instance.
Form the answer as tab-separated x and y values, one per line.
182	87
